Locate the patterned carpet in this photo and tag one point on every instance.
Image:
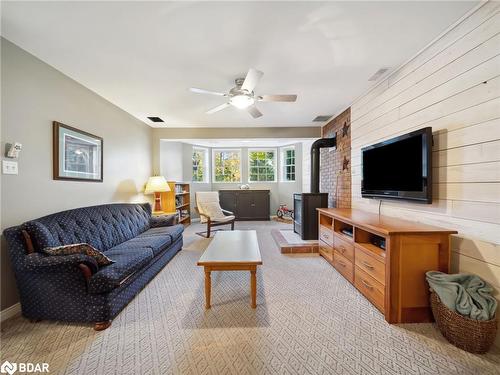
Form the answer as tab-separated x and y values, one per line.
309	320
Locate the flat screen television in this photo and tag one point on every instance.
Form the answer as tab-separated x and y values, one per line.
399	168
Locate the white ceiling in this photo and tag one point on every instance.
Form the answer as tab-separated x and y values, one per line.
240	142
143	56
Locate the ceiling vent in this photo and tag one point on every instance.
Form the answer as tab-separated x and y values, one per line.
322	118
378	74
155	119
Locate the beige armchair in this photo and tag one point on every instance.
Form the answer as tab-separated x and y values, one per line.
210	211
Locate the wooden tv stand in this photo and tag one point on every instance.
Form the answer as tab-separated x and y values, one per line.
393	280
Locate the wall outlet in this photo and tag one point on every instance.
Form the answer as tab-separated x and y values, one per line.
9	167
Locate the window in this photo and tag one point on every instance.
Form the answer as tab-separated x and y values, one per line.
262	165
288	163
226	165
200	164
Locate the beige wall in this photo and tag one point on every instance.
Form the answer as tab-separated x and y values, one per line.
33	95
454	87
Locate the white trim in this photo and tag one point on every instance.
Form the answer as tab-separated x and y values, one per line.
282	163
214	181
275	163
206	175
10	312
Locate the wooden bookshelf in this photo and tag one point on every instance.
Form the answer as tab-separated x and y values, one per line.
178	200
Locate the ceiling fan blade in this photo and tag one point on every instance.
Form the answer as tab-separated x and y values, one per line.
218	108
253	77
278	98
253	110
203	91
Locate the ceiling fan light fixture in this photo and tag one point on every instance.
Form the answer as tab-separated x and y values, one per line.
242	101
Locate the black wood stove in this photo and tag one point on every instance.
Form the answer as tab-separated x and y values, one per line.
304	204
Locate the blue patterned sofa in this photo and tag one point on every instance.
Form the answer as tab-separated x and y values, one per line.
72	287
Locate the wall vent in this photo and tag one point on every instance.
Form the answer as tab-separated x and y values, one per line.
322	118
379	73
155	119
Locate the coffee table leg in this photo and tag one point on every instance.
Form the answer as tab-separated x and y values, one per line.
253	287
208	288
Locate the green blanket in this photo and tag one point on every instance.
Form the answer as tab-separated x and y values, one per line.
465	294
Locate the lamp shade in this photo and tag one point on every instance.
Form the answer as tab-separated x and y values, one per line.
156	184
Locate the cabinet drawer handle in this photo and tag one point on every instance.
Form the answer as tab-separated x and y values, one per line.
342	249
367	265
341	263
324	235
366	284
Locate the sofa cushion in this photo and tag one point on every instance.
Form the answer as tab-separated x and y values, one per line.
156	243
127	261
174	232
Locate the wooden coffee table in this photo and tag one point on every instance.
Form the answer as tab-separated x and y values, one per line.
236	250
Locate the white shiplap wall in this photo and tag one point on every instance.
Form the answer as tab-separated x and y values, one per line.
453	86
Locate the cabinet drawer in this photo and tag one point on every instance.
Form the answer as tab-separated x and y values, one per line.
326	251
345	267
344	248
370	288
370	265
326	235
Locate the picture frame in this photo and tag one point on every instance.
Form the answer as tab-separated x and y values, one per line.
77	155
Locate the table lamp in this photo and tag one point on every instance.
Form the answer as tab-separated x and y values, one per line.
157	185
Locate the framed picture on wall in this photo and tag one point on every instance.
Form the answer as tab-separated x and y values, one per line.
77	155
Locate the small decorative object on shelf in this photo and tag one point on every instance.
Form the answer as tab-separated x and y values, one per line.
178	200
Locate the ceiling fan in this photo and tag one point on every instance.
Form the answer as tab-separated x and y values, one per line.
242	95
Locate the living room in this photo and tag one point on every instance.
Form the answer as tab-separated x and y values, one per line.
151	147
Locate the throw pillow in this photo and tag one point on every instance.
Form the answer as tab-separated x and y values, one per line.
80	248
213	210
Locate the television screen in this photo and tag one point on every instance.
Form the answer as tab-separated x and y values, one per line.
399	168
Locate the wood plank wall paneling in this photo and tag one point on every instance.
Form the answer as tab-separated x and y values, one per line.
453	86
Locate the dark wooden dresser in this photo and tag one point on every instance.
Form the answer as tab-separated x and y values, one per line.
246	204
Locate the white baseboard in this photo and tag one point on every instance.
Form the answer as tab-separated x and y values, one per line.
10	312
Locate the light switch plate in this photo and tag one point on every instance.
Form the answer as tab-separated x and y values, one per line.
9	167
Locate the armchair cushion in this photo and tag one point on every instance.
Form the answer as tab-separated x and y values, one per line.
45	263
127	262
162	221
205	197
213	210
79	248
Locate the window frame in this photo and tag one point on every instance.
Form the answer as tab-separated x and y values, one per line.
275	163
284	165
214	151
206	165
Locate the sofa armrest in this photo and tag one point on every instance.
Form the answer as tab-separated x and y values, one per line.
59	263
162	221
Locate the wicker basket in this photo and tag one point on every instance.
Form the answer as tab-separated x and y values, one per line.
474	336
